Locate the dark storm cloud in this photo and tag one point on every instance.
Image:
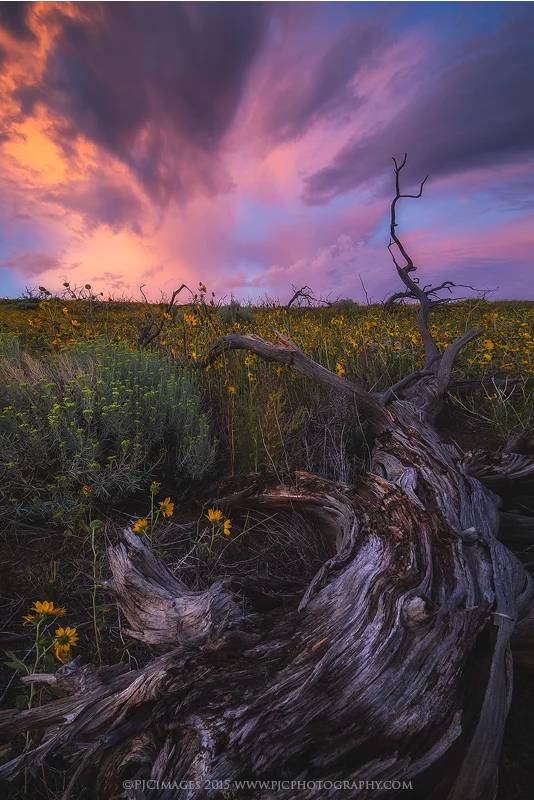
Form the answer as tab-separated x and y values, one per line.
476	112
100	201
156	84
327	90
14	18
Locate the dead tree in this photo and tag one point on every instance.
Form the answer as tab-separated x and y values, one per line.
393	662
305	296
153	325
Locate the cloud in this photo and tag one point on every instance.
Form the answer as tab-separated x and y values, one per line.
327	87
14	18
32	264
472	113
155	86
99	200
333	271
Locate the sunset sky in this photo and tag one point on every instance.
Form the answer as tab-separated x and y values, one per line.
249	145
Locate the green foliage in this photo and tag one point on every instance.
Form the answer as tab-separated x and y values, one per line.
267	436
234	312
506	410
96	415
9	347
344	305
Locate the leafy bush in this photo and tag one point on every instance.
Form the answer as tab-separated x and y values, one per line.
9	347
234	312
97	416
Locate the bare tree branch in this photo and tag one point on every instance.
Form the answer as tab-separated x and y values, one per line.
398	297
286	352
449	356
390	393
414	291
305	293
367	300
427	296
153	326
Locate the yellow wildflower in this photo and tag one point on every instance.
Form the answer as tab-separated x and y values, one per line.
75	323
340	369
47	607
166	315
167	507
65	639
232	390
141	526
86	490
227	527
214	514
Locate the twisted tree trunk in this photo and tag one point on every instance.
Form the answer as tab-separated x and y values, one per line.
393	663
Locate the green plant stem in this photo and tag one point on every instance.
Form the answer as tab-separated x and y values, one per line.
94	526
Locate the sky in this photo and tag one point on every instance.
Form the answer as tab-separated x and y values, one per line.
249	146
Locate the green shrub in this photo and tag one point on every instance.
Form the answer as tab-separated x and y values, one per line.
9	347
234	312
96	415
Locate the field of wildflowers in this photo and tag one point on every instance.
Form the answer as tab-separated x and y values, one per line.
96	434
368	343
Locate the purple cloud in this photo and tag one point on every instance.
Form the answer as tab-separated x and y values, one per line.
472	113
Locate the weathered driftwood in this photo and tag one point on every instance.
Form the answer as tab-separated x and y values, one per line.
394	663
509	474
159	608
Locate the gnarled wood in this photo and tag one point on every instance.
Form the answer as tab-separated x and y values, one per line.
159	608
418	600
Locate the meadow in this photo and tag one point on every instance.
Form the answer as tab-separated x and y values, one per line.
98	432
115	416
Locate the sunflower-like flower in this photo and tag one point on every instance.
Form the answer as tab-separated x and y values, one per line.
47	608
227	527
141	526
167	507
214	514
65	638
